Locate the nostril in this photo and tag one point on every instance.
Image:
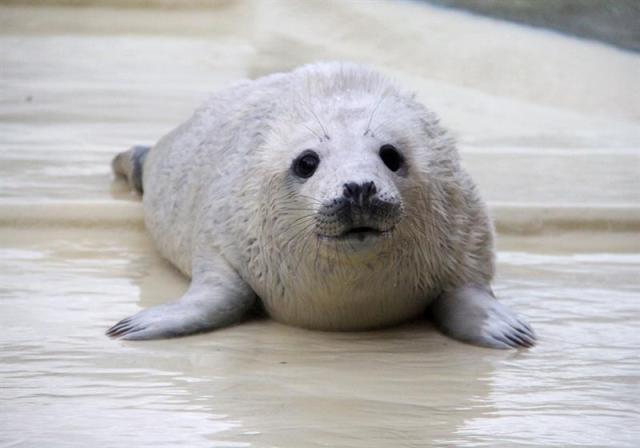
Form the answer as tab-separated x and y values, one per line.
351	190
369	189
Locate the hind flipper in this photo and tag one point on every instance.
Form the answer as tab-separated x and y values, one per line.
130	164
472	314
215	299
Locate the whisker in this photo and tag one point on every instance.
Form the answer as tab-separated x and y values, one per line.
382	98
310	108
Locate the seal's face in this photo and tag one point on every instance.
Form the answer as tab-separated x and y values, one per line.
351	183
348	168
360	203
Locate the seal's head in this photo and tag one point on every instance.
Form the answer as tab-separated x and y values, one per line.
350	162
351	187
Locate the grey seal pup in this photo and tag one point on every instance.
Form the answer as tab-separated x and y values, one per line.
328	194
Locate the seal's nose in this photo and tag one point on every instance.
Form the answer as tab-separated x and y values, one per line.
359	193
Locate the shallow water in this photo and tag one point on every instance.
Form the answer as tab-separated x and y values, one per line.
79	85
264	384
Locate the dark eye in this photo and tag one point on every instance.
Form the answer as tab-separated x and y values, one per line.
391	157
306	164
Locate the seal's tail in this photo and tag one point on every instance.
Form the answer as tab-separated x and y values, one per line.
129	164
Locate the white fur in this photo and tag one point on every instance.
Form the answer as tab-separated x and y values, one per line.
219	190
221	183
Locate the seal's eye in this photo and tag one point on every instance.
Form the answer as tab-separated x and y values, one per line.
391	157
306	164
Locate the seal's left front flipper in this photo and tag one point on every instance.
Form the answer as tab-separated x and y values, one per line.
472	314
214	300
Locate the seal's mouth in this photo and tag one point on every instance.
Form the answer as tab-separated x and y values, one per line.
361	233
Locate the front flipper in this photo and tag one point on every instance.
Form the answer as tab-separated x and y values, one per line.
472	314
215	299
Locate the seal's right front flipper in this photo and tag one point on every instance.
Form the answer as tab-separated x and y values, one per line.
214	300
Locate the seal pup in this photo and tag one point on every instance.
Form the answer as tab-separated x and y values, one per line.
328	194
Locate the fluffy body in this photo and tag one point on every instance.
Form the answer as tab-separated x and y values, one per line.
222	204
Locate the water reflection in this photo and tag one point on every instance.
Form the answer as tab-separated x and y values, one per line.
261	383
